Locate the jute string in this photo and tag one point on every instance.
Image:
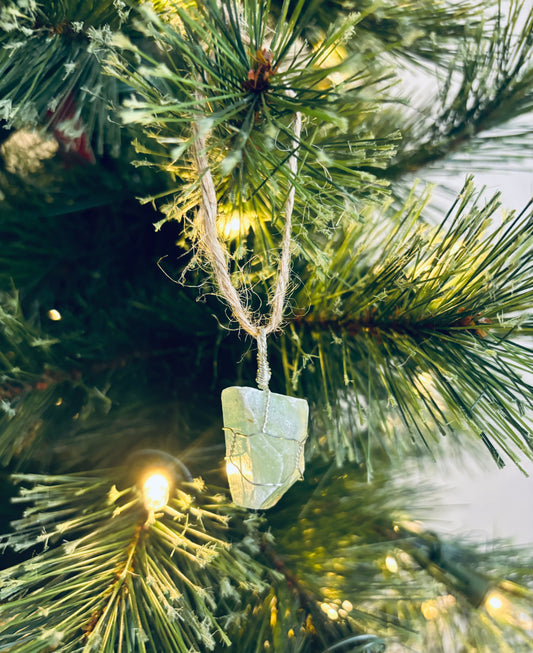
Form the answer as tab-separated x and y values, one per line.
218	258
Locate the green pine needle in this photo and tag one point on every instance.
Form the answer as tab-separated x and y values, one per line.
51	73
387	576
417	31
487	85
242	89
424	326
111	576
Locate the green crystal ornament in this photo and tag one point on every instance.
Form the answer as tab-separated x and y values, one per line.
265	432
265	436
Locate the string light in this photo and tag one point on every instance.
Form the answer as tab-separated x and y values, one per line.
392	564
502	608
54	315
494	603
336	610
156	473
331	610
429	610
156	491
432	608
230	225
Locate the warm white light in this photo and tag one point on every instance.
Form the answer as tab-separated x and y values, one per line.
231	469
331	610
54	315
525	621
429	610
494	602
156	490
332	614
232	224
243	469
433	608
232	227
501	608
392	564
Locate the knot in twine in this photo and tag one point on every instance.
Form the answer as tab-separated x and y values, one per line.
263	368
218	259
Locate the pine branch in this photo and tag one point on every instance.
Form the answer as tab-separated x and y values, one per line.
418	31
119	578
382	581
415	331
56	401
51	58
28	384
401	331
242	88
489	84
386	575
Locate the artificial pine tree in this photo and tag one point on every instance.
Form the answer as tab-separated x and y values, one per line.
275	146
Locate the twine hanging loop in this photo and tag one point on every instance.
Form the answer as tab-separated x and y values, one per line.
217	254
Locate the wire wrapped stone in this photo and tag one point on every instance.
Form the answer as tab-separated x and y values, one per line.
265	435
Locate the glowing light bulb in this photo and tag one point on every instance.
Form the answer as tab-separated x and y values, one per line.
54	315
156	491
429	610
392	564
501	608
330	609
232	227
494	602
233	223
332	614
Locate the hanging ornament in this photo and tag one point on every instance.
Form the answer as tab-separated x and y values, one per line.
265	432
265	437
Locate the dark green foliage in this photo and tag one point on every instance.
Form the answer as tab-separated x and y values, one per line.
370	553
122	578
51	57
419	30
396	331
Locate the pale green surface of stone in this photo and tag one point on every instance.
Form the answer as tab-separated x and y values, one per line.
263	459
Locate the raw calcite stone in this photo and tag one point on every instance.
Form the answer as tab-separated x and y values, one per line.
263	458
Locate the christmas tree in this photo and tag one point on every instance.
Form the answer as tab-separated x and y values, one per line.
198	196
